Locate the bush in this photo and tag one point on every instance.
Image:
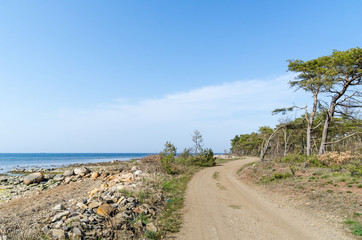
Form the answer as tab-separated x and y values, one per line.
294	158
205	159
335	158
168	157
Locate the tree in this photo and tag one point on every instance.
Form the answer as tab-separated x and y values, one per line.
265	147
168	157
344	77
310	78
197	139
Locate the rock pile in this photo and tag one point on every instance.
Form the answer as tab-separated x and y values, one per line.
14	186
107	213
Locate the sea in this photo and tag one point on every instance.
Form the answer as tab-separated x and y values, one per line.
9	161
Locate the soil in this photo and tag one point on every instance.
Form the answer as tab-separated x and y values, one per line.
220	205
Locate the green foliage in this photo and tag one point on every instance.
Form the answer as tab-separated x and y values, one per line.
275	176
356	227
174	189
246	144
153	235
168	157
142	217
294	158
205	159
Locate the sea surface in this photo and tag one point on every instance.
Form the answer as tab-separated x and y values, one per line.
9	161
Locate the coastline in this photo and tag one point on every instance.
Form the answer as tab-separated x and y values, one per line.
80	199
36	161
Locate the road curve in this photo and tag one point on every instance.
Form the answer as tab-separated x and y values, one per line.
220	206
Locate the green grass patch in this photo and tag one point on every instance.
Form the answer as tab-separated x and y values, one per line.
174	189
354	226
216	175
243	167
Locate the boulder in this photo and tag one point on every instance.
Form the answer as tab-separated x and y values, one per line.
81	171
105	210
58	177
33	178
68	173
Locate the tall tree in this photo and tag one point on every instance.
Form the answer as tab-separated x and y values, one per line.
344	81
310	78
197	139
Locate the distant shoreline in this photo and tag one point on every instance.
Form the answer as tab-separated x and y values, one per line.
26	161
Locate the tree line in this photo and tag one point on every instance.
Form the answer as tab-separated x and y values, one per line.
331	123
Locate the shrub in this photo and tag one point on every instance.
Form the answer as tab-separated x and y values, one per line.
294	158
205	159
168	157
335	158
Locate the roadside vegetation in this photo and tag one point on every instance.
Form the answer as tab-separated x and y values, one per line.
173	172
317	156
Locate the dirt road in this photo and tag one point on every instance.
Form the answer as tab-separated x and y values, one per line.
220	206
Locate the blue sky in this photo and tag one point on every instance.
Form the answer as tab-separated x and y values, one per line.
126	76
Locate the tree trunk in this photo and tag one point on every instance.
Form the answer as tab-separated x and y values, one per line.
266	145
310	121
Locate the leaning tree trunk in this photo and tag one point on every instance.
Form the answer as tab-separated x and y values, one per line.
266	145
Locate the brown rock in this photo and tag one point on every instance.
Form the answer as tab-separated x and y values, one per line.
92	205
94	175
33	178
105	210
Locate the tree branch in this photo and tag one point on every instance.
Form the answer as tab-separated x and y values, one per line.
328	143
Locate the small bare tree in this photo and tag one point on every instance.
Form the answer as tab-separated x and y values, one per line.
197	139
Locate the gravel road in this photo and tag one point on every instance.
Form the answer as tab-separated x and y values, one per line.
220	206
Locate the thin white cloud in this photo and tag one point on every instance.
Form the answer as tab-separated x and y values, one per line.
219	111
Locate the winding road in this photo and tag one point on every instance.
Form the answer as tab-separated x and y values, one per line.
220	206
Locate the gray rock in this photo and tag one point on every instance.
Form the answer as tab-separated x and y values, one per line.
60	215
77	232
81	171
59	207
33	178
59	224
68	173
138	172
58	233
58	177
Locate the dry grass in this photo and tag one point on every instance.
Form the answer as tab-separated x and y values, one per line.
338	193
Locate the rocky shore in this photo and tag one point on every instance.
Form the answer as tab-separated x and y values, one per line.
123	205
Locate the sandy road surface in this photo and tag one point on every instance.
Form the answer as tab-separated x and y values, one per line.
219	206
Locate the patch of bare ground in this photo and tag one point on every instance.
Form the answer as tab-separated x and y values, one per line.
22	218
333	196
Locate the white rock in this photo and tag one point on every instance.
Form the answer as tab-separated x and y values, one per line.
58	207
138	172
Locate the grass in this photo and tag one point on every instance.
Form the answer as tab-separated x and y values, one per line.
216	175
354	226
174	189
235	206
243	167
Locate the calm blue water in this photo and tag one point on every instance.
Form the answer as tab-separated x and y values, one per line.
9	161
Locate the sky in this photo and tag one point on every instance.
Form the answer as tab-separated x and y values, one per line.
127	76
